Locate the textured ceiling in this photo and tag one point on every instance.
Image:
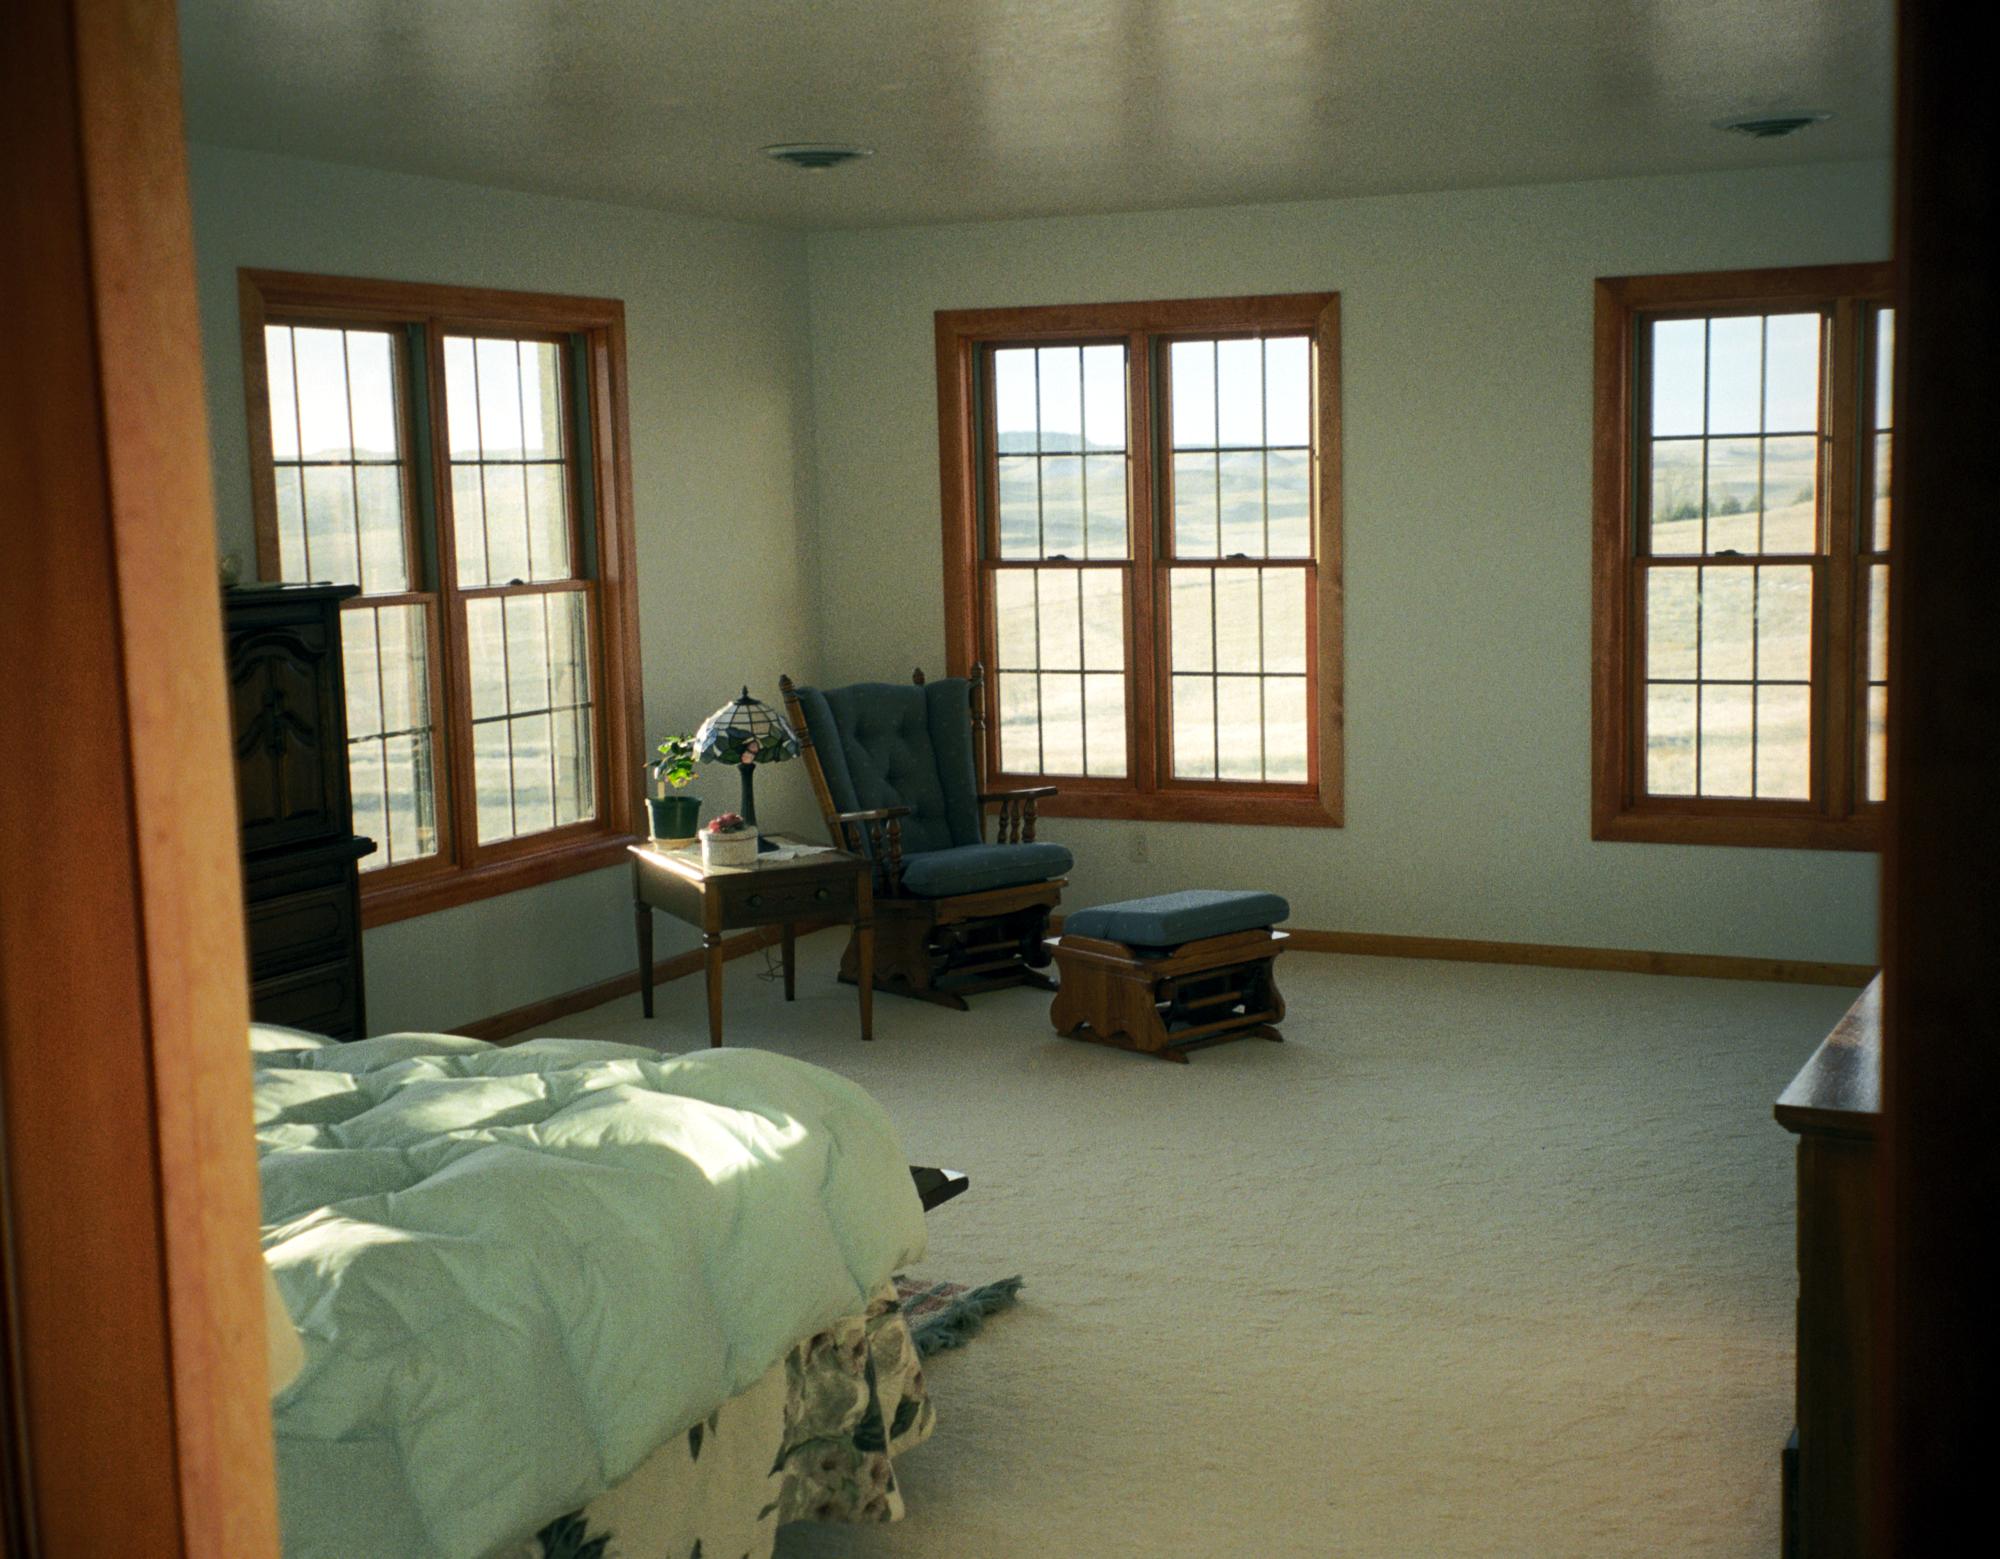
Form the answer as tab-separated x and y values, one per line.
992	108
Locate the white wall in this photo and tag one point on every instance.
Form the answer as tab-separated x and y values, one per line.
722	480
1467	413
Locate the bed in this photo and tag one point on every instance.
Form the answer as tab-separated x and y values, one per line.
569	1297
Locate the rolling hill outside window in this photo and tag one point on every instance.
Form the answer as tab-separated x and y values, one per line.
1141	543
458	456
1742	555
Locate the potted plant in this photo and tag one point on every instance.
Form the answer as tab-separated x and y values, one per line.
726	840
673	815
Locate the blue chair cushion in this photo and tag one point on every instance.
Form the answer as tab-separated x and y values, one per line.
1169	919
973	868
887	744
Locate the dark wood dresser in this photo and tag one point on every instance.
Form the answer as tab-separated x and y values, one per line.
1834	1107
301	889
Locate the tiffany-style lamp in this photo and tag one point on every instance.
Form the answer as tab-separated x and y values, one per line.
746	732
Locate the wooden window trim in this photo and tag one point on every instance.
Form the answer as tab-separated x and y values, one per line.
445	881
1834	819
1147	793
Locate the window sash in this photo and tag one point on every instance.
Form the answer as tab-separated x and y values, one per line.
587	336
1833	813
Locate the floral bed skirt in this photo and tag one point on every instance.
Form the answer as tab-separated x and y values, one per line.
814	1439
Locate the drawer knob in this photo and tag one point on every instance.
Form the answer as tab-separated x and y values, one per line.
755	901
821	895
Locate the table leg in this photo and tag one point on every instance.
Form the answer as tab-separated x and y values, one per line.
711	953
791	962
643	913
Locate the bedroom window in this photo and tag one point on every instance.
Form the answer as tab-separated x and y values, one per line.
1742	534
1141	547
460	456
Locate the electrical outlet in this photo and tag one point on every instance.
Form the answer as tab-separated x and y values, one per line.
1138	846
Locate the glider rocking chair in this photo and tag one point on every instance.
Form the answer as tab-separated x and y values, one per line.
898	771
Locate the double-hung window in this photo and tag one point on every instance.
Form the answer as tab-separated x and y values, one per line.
460	457
1742	555
1142	549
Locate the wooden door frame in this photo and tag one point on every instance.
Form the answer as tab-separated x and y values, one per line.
1941	858
139	1410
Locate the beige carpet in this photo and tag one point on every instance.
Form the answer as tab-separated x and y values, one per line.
1482	1261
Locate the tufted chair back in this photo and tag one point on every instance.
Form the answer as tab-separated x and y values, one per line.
887	744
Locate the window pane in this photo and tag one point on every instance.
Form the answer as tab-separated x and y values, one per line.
1195	527
1016	634
468	513
1284	619
1288	489
1104	398
1672	623
1191	606
284	400
1239	728
1104	506
1194	727
1878	622
531	708
533	748
1791	495
461	400
548	523
1286	730
320	357
1191	375
1060	623
576	774
1062	506
1878	743
1726	713
1735	375
1728	619
528	652
1104	725
506	524
1784	624
1062	723
1676	497
330	539
1885	362
1239	391
1791	383
1878	536
1670	739
1239	627
541	401
498	388
1288	391
1680	348
1014	399
384	549
493	781
1784	716
486	650
358	657
1020	723
1242	483
1734	474
371	393
1104	620
1020	507
1060	381
292	524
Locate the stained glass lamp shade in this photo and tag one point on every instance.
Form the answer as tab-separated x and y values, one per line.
746	732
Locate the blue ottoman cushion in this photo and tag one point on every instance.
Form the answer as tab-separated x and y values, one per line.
1169	919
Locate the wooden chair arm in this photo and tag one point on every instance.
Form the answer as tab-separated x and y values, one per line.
882	829
1017	812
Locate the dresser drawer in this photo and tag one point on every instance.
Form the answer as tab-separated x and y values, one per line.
322	1000
297	930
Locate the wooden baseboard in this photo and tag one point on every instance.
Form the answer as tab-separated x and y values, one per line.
505	1025
1551	955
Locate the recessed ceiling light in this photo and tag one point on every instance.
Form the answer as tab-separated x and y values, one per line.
817	156
1767	127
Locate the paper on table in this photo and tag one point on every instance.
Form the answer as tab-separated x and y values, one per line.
792	852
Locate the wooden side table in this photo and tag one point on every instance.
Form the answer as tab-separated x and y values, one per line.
827	885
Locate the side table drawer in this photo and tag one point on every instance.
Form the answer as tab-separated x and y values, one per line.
300	929
746	900
324	1000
